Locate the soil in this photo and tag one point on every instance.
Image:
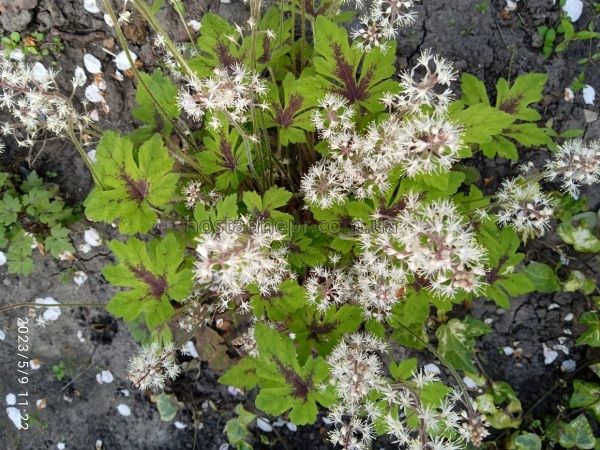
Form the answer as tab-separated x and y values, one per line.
475	34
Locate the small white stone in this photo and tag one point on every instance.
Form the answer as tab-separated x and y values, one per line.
93	94
104	377
92	238
94	115
568	365
119	76
432	368
90	6
226	2
190	349
291	426
39	73
553	306
2	335
224	447
264	425
124	410
511	5
326	420
61	446
562	348
125	392
568	317
179	425
508	350
80	336
79	278
567	332
194	25
469	382
549	355
17	55
488	321
573	9
98	444
84	248
122	61
51	313
108	20
79	77
562	340
14	415
2	258
11	399
41	403
92	155
589	94
92	64
232	390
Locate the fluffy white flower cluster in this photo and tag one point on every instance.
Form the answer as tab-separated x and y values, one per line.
576	164
424	244
359	163
239	254
525	207
358	378
231	91
153	365
382	21
194	195
30	94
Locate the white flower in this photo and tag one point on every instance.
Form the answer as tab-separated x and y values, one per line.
231	91
237	255
153	365
525	207
576	164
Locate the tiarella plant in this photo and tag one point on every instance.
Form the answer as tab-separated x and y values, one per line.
286	172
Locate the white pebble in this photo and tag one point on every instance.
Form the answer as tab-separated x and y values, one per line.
79	77
469	382
2	335
80	336
92	155
84	248
232	390
568	365
79	278
264	425
562	348
39	73
104	377
11	399
92	238
61	446
179	425
2	258
549	355
194	25
508	351
122	61
190	349
573	9
124	410
93	94
51	313
432	368
224	447
291	426
568	317
589	94
553	306
92	64
35	364
17	55
90	6
14	415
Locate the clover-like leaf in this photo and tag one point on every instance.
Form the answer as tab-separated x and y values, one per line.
155	274
133	184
